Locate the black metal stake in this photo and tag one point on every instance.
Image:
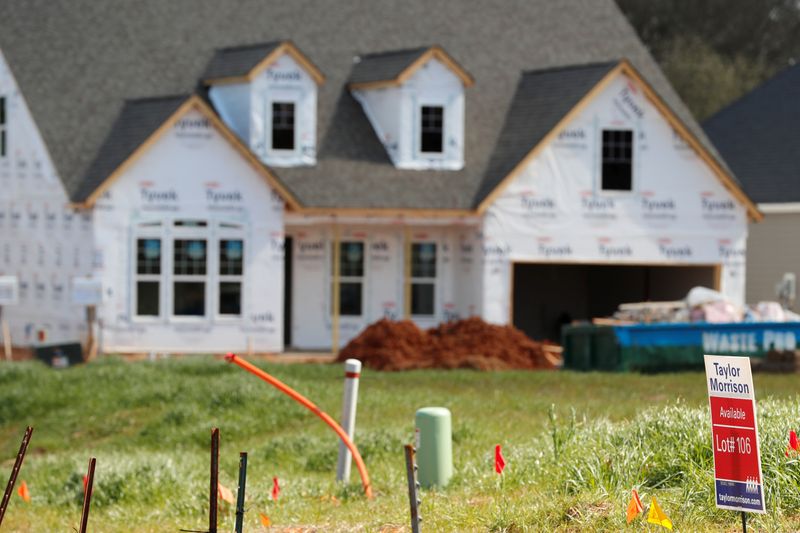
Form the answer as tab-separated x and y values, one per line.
744	522
413	488
212	494
23	447
87	495
240	491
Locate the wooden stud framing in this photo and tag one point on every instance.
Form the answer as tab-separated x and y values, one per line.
388	212
286	47
407	272
335	289
434	52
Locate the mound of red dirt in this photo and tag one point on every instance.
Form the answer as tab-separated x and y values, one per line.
470	343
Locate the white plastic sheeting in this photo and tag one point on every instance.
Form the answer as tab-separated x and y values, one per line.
191	174
42	242
457	274
247	109
554	211
395	116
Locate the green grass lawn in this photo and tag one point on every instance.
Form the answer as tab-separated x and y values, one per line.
148	424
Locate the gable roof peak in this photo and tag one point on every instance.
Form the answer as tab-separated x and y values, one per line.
241	63
393	67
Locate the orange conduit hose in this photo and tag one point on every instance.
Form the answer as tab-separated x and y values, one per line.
308	404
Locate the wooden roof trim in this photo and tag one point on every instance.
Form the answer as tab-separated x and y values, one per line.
722	174
434	52
193	102
386	212
286	47
291	201
625	67
141	149
565	120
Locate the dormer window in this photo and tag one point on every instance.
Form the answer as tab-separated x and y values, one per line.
432	129
267	94
414	100
282	126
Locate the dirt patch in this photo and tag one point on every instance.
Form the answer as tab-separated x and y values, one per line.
470	343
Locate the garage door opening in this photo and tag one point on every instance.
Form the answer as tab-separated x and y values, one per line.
547	296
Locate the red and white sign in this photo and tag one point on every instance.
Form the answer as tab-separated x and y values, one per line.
738	482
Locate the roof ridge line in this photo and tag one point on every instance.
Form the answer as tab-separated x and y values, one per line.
250	46
561	68
174	96
419	49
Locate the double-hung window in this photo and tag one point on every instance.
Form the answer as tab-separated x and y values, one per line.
423	278
148	276
195	267
231	262
283	126
351	278
189	266
432	129
3	118
617	165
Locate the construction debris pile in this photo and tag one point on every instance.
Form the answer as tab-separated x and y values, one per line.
700	305
469	343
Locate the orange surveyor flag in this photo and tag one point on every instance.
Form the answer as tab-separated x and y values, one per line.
657	516
225	493
265	521
276	489
792	448
23	492
635	507
499	460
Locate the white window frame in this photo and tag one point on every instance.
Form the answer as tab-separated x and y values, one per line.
148	231
634	157
281	96
229	231
212	233
434	281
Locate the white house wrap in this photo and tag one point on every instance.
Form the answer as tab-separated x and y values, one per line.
242	193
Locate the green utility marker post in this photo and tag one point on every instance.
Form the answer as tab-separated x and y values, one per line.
434	443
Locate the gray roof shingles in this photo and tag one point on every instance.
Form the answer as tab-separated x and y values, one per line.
77	62
235	61
759	137
135	123
383	66
541	100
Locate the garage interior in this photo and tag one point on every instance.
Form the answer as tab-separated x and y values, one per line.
546	296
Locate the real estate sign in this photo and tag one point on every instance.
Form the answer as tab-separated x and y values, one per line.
734	433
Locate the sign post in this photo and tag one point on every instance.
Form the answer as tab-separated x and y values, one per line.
734	435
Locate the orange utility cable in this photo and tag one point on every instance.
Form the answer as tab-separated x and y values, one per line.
308	404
